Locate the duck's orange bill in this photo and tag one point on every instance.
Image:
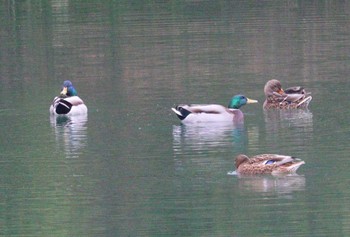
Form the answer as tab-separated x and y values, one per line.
281	91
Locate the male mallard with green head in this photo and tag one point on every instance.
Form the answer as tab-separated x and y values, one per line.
267	164
197	113
290	98
68	102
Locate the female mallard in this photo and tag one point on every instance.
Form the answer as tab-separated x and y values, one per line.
291	98
68	102
267	164
212	112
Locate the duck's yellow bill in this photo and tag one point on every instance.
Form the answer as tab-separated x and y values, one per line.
251	101
64	91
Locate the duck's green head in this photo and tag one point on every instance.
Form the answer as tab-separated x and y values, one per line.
239	100
68	89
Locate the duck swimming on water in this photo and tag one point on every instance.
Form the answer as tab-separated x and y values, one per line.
199	113
291	98
68	102
267	164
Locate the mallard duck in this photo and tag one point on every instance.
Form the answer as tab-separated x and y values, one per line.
290	98
267	164
68	102
197	113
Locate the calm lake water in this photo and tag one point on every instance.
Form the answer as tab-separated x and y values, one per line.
130	168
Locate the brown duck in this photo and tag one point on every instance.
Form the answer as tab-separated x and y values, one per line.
267	164
291	98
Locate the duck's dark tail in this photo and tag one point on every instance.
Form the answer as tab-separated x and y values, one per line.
63	107
181	112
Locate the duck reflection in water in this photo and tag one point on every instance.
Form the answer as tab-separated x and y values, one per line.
293	128
205	136
283	184
288	118
71	132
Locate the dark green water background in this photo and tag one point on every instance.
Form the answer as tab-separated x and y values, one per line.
131	168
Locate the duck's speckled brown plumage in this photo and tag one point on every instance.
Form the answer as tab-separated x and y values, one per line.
267	164
290	98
